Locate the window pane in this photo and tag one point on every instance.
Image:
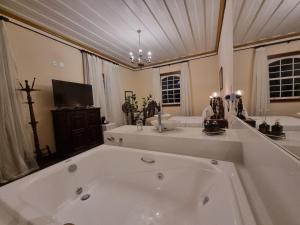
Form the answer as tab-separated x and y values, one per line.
287	61
275	94
274	88
296	60
297	93
297	66
276	63
287	81
274	75
296	86
297	80
286	67
286	87
274	69
286	73
286	94
171	89
274	82
297	73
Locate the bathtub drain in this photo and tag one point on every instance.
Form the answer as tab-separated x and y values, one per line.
85	197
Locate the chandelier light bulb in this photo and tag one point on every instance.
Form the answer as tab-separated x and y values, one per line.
140	59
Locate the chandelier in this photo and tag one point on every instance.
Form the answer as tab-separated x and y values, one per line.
139	59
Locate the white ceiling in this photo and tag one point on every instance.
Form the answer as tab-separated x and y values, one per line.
170	28
255	20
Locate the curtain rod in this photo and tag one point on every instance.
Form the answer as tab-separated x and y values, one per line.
178	62
267	44
276	43
54	39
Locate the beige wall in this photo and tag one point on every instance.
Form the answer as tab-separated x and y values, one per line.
34	56
204	81
243	64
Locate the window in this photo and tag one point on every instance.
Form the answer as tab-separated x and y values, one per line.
284	76
170	86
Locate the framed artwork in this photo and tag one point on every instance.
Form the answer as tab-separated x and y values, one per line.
128	94
221	78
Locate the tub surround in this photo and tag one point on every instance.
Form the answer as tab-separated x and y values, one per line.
291	142
189	121
270	177
175	189
182	140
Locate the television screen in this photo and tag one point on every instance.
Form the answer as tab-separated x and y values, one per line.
69	94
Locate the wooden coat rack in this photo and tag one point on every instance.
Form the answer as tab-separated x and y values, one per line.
28	89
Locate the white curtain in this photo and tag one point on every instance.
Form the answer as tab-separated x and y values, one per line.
260	85
156	84
185	90
16	148
92	72
113	93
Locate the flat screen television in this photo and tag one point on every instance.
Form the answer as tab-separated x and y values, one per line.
71	95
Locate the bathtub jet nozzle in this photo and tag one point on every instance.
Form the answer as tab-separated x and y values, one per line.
72	168
79	190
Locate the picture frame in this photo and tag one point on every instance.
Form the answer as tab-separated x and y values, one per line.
221	78
128	94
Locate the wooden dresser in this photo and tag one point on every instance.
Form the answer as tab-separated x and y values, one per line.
76	130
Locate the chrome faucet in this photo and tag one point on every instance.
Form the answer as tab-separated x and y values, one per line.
139	122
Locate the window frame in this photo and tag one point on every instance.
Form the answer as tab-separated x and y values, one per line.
280	57
163	76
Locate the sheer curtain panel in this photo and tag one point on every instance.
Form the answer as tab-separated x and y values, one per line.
185	90
93	74
16	150
114	99
260	85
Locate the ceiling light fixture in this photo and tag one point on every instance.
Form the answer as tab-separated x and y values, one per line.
139	59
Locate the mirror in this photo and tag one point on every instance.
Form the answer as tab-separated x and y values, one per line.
267	70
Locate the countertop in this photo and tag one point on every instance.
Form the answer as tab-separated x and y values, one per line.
180	132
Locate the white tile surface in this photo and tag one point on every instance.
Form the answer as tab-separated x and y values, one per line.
186	141
274	175
289	123
189	121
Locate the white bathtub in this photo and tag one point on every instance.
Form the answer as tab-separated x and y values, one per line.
124	190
